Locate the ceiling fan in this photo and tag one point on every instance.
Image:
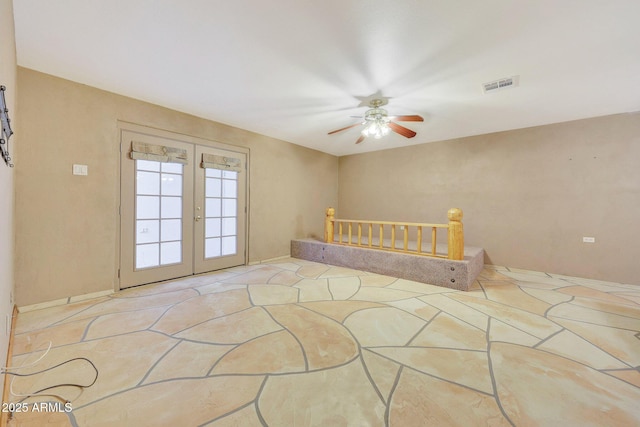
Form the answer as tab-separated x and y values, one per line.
377	123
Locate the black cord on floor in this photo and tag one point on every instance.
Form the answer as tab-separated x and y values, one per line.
39	392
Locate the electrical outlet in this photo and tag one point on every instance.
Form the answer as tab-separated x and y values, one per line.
588	240
80	170
402	228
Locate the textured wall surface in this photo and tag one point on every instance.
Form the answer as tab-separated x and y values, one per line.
529	196
67	226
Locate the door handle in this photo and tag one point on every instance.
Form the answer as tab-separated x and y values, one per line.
198	218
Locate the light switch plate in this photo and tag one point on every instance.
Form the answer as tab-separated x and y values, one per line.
80	170
588	239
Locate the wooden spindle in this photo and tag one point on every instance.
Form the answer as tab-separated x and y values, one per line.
370	234
340	232
455	234
434	231
419	238
350	234
359	234
406	238
381	235
393	236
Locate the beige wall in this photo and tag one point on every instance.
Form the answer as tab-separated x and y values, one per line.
528	196
66	225
7	79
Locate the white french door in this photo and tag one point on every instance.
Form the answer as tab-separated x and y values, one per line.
220	210
183	207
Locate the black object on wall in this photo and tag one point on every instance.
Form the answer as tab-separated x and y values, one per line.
6	128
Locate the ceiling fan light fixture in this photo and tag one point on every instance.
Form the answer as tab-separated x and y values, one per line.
376	129
376	122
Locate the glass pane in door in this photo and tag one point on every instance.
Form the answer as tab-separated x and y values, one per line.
158	214
221	213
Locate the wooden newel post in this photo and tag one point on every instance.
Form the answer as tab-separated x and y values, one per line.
456	234
328	225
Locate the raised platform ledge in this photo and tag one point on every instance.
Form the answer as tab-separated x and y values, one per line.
458	275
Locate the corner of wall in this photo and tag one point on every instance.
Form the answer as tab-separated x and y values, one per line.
8	71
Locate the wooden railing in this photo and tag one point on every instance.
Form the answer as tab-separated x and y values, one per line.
455	234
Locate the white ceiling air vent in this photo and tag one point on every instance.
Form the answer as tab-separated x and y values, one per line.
501	84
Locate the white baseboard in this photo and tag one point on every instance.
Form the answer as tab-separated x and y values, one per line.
270	259
63	301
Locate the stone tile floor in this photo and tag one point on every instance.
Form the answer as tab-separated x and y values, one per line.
297	343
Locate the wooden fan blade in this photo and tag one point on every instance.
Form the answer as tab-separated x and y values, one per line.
360	139
410	118
344	128
407	133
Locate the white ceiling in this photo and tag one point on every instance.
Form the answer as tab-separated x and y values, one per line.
296	69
